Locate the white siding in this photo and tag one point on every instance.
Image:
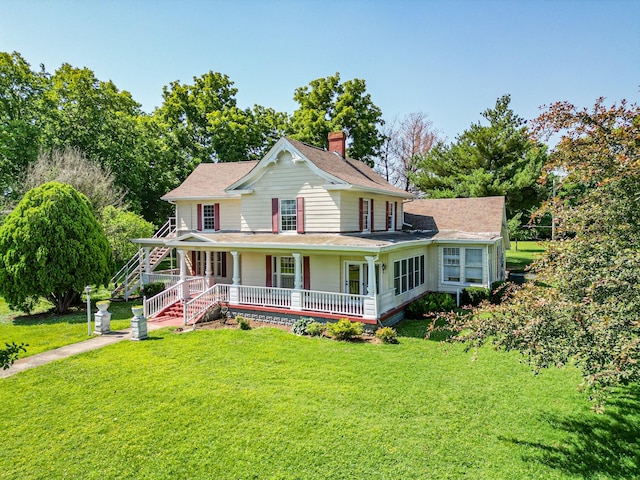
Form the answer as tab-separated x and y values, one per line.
288	180
187	214
350	211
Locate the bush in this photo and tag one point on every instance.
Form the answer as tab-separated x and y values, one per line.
316	329
152	289
344	329
432	302
498	291
243	323
300	326
474	296
387	335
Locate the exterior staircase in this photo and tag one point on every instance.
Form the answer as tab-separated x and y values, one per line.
173	311
128	279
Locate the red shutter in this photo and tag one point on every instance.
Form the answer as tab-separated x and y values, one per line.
395	215
269	269
216	216
306	274
274	215
387	216
300	214
371	215
199	210
223	259
361	214
193	264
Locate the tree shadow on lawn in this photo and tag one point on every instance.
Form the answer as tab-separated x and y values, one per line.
76	315
596	445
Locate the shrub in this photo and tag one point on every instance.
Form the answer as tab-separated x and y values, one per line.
387	335
153	289
300	326
474	296
344	329
243	323
432	302
316	329
499	290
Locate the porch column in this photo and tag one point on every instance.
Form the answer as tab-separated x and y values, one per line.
207	268
297	272
147	260
236	267
183	265
296	293
234	288
183	274
371	280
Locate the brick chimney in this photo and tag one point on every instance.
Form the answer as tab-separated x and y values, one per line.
337	141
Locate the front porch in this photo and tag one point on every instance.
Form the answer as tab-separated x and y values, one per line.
191	297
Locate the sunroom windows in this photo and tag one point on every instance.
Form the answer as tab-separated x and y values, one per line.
462	265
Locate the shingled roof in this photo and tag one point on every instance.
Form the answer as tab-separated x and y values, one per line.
353	172
477	216
210	180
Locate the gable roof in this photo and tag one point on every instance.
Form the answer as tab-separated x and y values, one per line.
210	180
350	171
478	216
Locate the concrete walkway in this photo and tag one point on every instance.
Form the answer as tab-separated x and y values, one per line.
93	343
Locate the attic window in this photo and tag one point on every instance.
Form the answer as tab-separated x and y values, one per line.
288	219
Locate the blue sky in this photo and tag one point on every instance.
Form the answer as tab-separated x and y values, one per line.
450	60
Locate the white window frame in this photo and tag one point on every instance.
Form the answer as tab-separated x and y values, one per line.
288	221
391	218
208	217
408	273
464	263
366	214
284	272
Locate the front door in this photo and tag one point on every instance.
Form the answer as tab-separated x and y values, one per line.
356	276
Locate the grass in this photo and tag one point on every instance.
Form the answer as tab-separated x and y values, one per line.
519	260
232	404
46	331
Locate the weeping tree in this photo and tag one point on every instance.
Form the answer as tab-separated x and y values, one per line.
52	246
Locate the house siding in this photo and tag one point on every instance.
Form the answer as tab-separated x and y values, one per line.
187	214
288	180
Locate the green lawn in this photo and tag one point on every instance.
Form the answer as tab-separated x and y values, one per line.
232	404
46	331
518	260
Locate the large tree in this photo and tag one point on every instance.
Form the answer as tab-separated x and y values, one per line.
202	123
495	159
328	105
21	91
52	246
407	141
584	307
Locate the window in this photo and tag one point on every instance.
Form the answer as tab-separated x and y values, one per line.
288	216
209	217
451	264
391	217
462	265
408	273
366	215
284	269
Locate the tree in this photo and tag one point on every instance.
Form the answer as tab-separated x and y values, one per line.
497	159
21	90
51	246
406	142
327	105
120	226
203	124
584	307
10	353
70	166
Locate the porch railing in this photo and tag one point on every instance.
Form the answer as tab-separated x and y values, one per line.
191	287
201	303
264	296
334	303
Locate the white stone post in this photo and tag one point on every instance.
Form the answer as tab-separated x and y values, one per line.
138	324
102	318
